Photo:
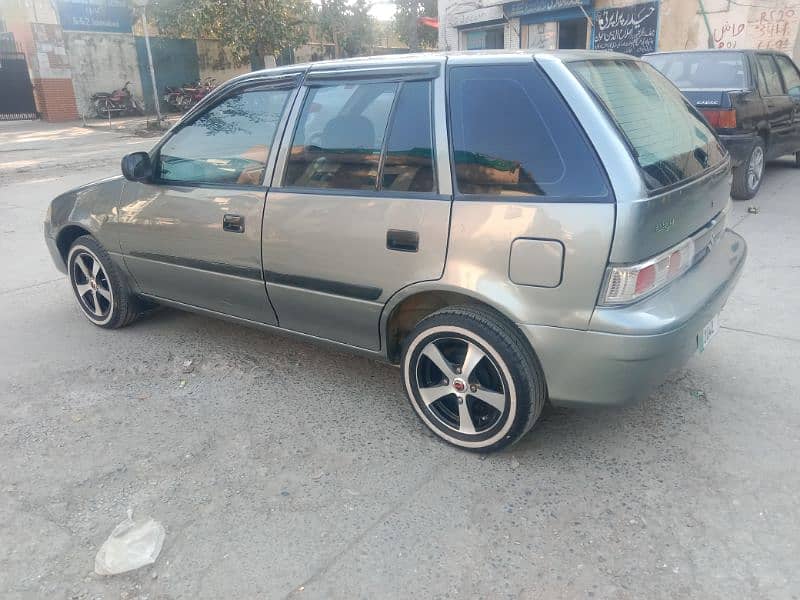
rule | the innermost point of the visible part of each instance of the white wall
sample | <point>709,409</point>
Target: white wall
<point>101,62</point>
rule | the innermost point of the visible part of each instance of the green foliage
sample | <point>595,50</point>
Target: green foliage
<point>405,17</point>
<point>347,25</point>
<point>252,29</point>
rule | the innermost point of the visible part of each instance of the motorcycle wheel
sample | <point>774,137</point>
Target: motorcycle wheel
<point>102,107</point>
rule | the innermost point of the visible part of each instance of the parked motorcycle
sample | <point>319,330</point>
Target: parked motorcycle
<point>185,97</point>
<point>119,101</point>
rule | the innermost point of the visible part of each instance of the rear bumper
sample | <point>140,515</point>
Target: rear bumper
<point>738,146</point>
<point>629,350</point>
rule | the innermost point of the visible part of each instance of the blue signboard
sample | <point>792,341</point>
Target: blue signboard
<point>95,15</point>
<point>534,7</point>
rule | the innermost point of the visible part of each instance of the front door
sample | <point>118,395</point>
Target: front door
<point>355,213</point>
<point>193,235</point>
<point>780,108</point>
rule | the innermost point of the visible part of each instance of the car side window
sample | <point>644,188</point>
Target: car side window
<point>772,77</point>
<point>228,143</point>
<point>339,136</point>
<point>514,136</point>
<point>790,76</point>
<point>408,162</point>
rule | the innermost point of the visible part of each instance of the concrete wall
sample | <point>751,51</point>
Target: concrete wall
<point>217,61</point>
<point>767,24</point>
<point>101,62</point>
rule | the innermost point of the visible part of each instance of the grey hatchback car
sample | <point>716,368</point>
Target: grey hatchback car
<point>509,228</point>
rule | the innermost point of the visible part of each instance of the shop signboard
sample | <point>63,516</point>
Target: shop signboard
<point>535,7</point>
<point>627,29</point>
<point>113,16</point>
<point>480,15</point>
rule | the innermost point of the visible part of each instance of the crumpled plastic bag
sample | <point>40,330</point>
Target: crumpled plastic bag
<point>132,544</point>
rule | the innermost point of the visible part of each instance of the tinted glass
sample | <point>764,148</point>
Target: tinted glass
<point>762,84</point>
<point>408,165</point>
<point>702,70</point>
<point>227,144</point>
<point>790,76</point>
<point>505,122</point>
<point>669,140</point>
<point>338,139</point>
<point>772,77</point>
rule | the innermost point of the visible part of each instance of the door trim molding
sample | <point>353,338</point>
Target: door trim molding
<point>202,265</point>
<point>327,286</point>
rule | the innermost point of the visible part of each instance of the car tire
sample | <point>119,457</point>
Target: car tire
<point>748,176</point>
<point>100,288</point>
<point>797,159</point>
<point>472,379</point>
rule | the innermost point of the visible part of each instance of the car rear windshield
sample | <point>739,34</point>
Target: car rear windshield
<point>702,70</point>
<point>668,139</point>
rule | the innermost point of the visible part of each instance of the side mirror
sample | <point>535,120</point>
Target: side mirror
<point>136,166</point>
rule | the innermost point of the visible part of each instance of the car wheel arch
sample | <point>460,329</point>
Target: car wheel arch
<point>67,235</point>
<point>409,306</point>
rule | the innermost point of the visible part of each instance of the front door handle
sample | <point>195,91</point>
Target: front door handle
<point>402,240</point>
<point>234,223</point>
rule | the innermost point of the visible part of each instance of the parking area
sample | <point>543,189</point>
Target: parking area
<point>283,469</point>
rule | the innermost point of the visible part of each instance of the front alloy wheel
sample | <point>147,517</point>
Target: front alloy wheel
<point>91,286</point>
<point>471,379</point>
<point>100,289</point>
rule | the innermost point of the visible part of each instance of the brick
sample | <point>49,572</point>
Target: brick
<point>55,99</point>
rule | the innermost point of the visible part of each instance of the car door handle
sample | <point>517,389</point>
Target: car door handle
<point>234,223</point>
<point>402,240</point>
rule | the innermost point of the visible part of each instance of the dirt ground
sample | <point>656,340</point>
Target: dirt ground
<point>284,470</point>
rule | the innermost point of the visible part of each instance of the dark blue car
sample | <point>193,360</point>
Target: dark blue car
<point>752,99</point>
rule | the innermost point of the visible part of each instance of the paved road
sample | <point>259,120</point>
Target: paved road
<point>281,469</point>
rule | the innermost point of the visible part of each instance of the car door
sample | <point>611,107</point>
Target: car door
<point>360,203</point>
<point>791,81</point>
<point>193,234</point>
<point>779,107</point>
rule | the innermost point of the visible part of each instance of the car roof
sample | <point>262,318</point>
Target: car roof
<point>430,58</point>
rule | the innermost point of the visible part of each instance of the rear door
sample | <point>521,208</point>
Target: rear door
<point>780,108</point>
<point>357,210</point>
<point>791,81</point>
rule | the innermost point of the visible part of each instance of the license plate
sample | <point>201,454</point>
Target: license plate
<point>709,331</point>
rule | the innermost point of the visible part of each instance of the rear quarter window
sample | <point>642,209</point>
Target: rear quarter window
<point>513,135</point>
<point>669,140</point>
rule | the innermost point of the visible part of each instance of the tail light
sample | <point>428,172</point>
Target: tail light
<point>627,283</point>
<point>721,119</point>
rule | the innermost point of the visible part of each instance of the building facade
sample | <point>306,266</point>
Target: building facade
<point>630,26</point>
<point>74,48</point>
<point>66,50</point>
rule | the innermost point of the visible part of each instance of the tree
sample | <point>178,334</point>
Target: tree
<point>348,25</point>
<point>406,22</point>
<point>252,29</point>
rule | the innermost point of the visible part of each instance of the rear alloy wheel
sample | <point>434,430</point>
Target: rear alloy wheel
<point>101,291</point>
<point>471,379</point>
<point>747,177</point>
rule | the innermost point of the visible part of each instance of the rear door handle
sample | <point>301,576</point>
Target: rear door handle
<point>234,223</point>
<point>402,240</point>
